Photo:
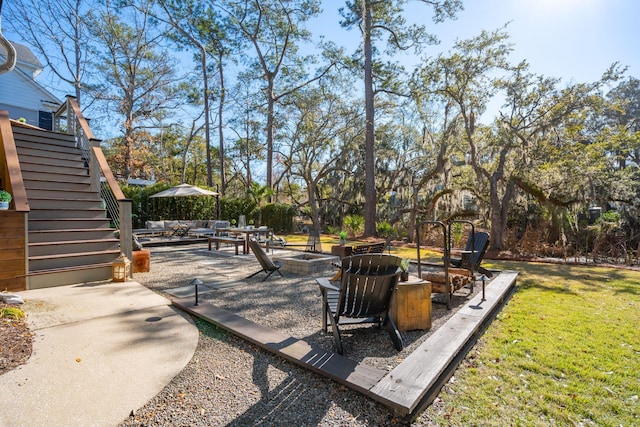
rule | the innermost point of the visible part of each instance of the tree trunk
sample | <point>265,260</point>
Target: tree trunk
<point>270,113</point>
<point>556,225</point>
<point>313,204</point>
<point>369,160</point>
<point>207,125</point>
<point>129,141</point>
<point>248,152</point>
<point>411,227</point>
<point>223,180</point>
<point>499,210</point>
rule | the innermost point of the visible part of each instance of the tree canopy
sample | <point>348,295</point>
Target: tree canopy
<point>335,133</point>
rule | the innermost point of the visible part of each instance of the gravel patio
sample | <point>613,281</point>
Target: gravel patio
<point>232,382</point>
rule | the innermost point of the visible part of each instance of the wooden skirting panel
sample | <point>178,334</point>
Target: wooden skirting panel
<point>13,265</point>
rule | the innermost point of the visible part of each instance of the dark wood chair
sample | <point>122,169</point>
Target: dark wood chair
<point>267,265</point>
<point>365,248</point>
<point>473,253</point>
<point>363,295</point>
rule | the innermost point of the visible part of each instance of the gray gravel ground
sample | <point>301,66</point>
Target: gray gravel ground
<point>230,382</point>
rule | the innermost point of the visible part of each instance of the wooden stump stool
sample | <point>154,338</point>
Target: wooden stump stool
<point>411,305</point>
<point>141,262</point>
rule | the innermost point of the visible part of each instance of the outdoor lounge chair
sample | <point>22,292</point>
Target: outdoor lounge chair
<point>477,245</point>
<point>267,265</point>
<point>363,295</point>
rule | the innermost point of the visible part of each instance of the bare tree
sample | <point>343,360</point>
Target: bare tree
<point>57,30</point>
<point>199,25</point>
<point>275,28</point>
<point>138,75</point>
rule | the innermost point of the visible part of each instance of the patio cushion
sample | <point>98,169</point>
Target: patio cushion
<point>155,225</point>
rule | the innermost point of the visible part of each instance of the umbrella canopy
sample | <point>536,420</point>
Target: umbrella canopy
<point>185,190</point>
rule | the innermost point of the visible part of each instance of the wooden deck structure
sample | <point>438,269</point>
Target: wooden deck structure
<point>408,388</point>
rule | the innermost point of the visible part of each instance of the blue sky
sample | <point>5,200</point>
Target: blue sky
<point>576,40</point>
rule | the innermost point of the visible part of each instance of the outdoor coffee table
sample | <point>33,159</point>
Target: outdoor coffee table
<point>180,230</point>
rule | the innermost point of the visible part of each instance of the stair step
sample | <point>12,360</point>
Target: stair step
<point>41,151</point>
<point>46,160</point>
<point>47,262</point>
<point>61,193</point>
<point>71,247</point>
<point>30,175</point>
<point>69,276</point>
<point>48,184</point>
<point>70,239</point>
<point>67,213</point>
<point>47,148</point>
<point>41,136</point>
<point>41,224</point>
<point>79,169</point>
<point>41,236</point>
<point>38,203</point>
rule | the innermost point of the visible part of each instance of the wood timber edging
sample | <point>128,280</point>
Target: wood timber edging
<point>417,380</point>
<point>339,368</point>
<point>409,387</point>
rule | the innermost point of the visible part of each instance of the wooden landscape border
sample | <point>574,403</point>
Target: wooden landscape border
<point>408,388</point>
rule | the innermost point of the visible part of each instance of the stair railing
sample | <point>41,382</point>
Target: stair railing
<point>102,178</point>
<point>11,177</point>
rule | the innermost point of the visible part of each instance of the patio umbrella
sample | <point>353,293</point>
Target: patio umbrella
<point>185,190</point>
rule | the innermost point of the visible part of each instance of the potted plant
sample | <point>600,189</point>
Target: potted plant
<point>343,238</point>
<point>404,266</point>
<point>5,198</point>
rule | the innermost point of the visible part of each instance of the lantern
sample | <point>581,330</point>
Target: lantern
<point>121,269</point>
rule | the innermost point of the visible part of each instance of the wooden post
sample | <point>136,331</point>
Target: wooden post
<point>94,166</point>
<point>126,232</point>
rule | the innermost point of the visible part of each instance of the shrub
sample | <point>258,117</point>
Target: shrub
<point>11,313</point>
<point>334,231</point>
<point>354,224</point>
<point>233,207</point>
<point>610,216</point>
<point>278,216</point>
<point>384,229</point>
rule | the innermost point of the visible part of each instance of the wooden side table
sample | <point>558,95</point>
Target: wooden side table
<point>411,305</point>
<point>341,251</point>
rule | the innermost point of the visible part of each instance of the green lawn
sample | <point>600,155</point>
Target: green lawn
<point>565,350</point>
<point>328,241</point>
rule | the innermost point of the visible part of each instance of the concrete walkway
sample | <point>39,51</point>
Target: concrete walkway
<point>100,351</point>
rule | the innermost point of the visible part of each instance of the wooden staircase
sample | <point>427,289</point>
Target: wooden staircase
<point>69,235</point>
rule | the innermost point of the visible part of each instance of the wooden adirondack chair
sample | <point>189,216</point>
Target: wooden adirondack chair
<point>473,253</point>
<point>363,295</point>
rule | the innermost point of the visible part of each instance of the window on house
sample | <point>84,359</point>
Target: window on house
<point>45,120</point>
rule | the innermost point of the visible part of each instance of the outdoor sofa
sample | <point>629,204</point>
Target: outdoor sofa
<point>196,228</point>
